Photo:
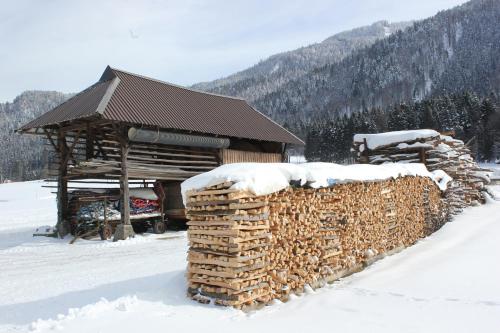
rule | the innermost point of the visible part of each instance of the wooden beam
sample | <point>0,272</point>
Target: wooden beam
<point>124,230</point>
<point>166,161</point>
<point>98,143</point>
<point>101,152</point>
<point>63,227</point>
<point>70,149</point>
<point>75,126</point>
<point>366,152</point>
<point>51,140</point>
<point>421,155</point>
<point>89,142</point>
<point>154,152</point>
<point>124,190</point>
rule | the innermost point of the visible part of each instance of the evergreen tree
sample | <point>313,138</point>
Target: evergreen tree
<point>427,117</point>
<point>470,117</point>
<point>486,137</point>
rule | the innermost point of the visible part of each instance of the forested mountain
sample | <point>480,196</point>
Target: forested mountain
<point>22,155</point>
<point>271,74</point>
<point>453,51</point>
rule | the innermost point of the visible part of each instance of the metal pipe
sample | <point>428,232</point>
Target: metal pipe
<point>177,139</point>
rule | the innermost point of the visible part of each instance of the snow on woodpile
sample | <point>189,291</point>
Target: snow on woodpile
<point>266,178</point>
<point>251,243</point>
<point>437,152</point>
<point>391,138</point>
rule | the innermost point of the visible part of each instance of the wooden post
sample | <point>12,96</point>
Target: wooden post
<point>124,230</point>
<point>45,163</point>
<point>105,211</point>
<point>365,153</point>
<point>219,156</point>
<point>284,157</point>
<point>421,155</point>
<point>124,190</point>
<point>63,227</point>
<point>89,142</point>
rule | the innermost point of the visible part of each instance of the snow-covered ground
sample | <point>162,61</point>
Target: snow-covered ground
<point>447,282</point>
<point>493,167</point>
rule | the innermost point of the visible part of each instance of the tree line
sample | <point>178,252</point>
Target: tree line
<point>474,119</point>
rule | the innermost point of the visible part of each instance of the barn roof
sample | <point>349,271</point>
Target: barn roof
<point>135,99</point>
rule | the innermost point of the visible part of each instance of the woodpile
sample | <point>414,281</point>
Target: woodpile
<point>296,244</point>
<point>246,250</point>
<point>229,238</point>
<point>437,152</point>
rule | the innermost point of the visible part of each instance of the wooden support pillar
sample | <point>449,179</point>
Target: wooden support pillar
<point>421,155</point>
<point>365,154</point>
<point>89,142</point>
<point>219,156</point>
<point>284,157</point>
<point>124,190</point>
<point>124,230</point>
<point>45,164</point>
<point>63,227</point>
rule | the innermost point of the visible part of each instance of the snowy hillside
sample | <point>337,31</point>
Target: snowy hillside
<point>23,155</point>
<point>274,72</point>
<point>447,282</point>
<point>454,51</point>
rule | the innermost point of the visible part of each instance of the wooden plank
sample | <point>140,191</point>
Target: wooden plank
<point>165,161</point>
<point>159,153</point>
<point>232,274</point>
<point>237,156</point>
<point>163,148</point>
<point>209,192</point>
<point>233,224</point>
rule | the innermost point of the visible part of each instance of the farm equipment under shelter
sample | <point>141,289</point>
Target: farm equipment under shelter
<point>98,211</point>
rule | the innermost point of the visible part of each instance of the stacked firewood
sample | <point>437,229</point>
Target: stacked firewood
<point>229,238</point>
<point>454,157</point>
<point>247,250</point>
<point>296,245</point>
<point>437,152</point>
<point>436,215</point>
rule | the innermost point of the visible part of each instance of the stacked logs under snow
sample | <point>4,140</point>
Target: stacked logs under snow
<point>437,152</point>
<point>229,240</point>
<point>246,250</point>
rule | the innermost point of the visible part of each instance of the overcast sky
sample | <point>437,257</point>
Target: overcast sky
<point>65,45</point>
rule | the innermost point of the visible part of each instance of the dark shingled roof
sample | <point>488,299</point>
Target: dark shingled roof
<point>134,99</point>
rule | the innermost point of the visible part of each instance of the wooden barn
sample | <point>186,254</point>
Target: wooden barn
<point>134,130</point>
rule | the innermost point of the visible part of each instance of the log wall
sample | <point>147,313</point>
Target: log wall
<point>239,156</point>
<point>247,250</point>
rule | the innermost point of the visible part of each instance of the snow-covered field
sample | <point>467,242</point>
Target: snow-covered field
<point>447,282</point>
<point>495,168</point>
